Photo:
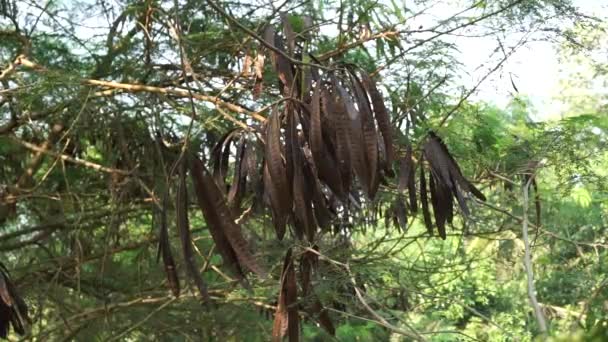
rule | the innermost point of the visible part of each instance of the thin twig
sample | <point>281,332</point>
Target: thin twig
<point>169,91</point>
<point>380,320</point>
<point>538,313</point>
<point>442,33</point>
<point>268,45</point>
<point>138,324</point>
<point>67,158</point>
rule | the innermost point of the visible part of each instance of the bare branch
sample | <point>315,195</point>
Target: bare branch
<point>538,313</point>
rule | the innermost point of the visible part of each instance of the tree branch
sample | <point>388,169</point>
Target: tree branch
<point>67,158</point>
<point>442,33</point>
<point>538,313</point>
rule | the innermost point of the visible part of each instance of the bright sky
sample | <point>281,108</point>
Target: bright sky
<point>535,68</point>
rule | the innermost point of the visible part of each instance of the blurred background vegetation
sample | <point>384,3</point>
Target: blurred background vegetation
<point>80,238</point>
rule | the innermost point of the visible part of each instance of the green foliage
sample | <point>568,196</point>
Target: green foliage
<point>81,239</point>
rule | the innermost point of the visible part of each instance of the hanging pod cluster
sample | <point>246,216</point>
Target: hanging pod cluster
<point>320,155</point>
<point>324,149</point>
<point>321,151</point>
<point>287,317</point>
<point>444,184</point>
<point>401,208</point>
<point>330,141</point>
<point>221,222</point>
<point>440,185</point>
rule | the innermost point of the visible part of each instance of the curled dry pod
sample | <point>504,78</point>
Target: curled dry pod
<point>278,187</point>
<point>281,64</point>
<point>327,167</point>
<point>439,206</point>
<point>447,183</point>
<point>224,230</point>
<point>220,156</point>
<point>323,215</point>
<point>316,135</point>
<point>13,310</point>
<point>341,123</point>
<point>164,249</point>
<point>200,178</point>
<point>382,118</point>
<point>183,226</point>
<point>446,169</point>
<point>369,134</point>
<point>401,213</point>
<point>405,171</point>
<point>239,180</point>
<point>302,192</point>
<point>356,147</point>
<point>287,319</point>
